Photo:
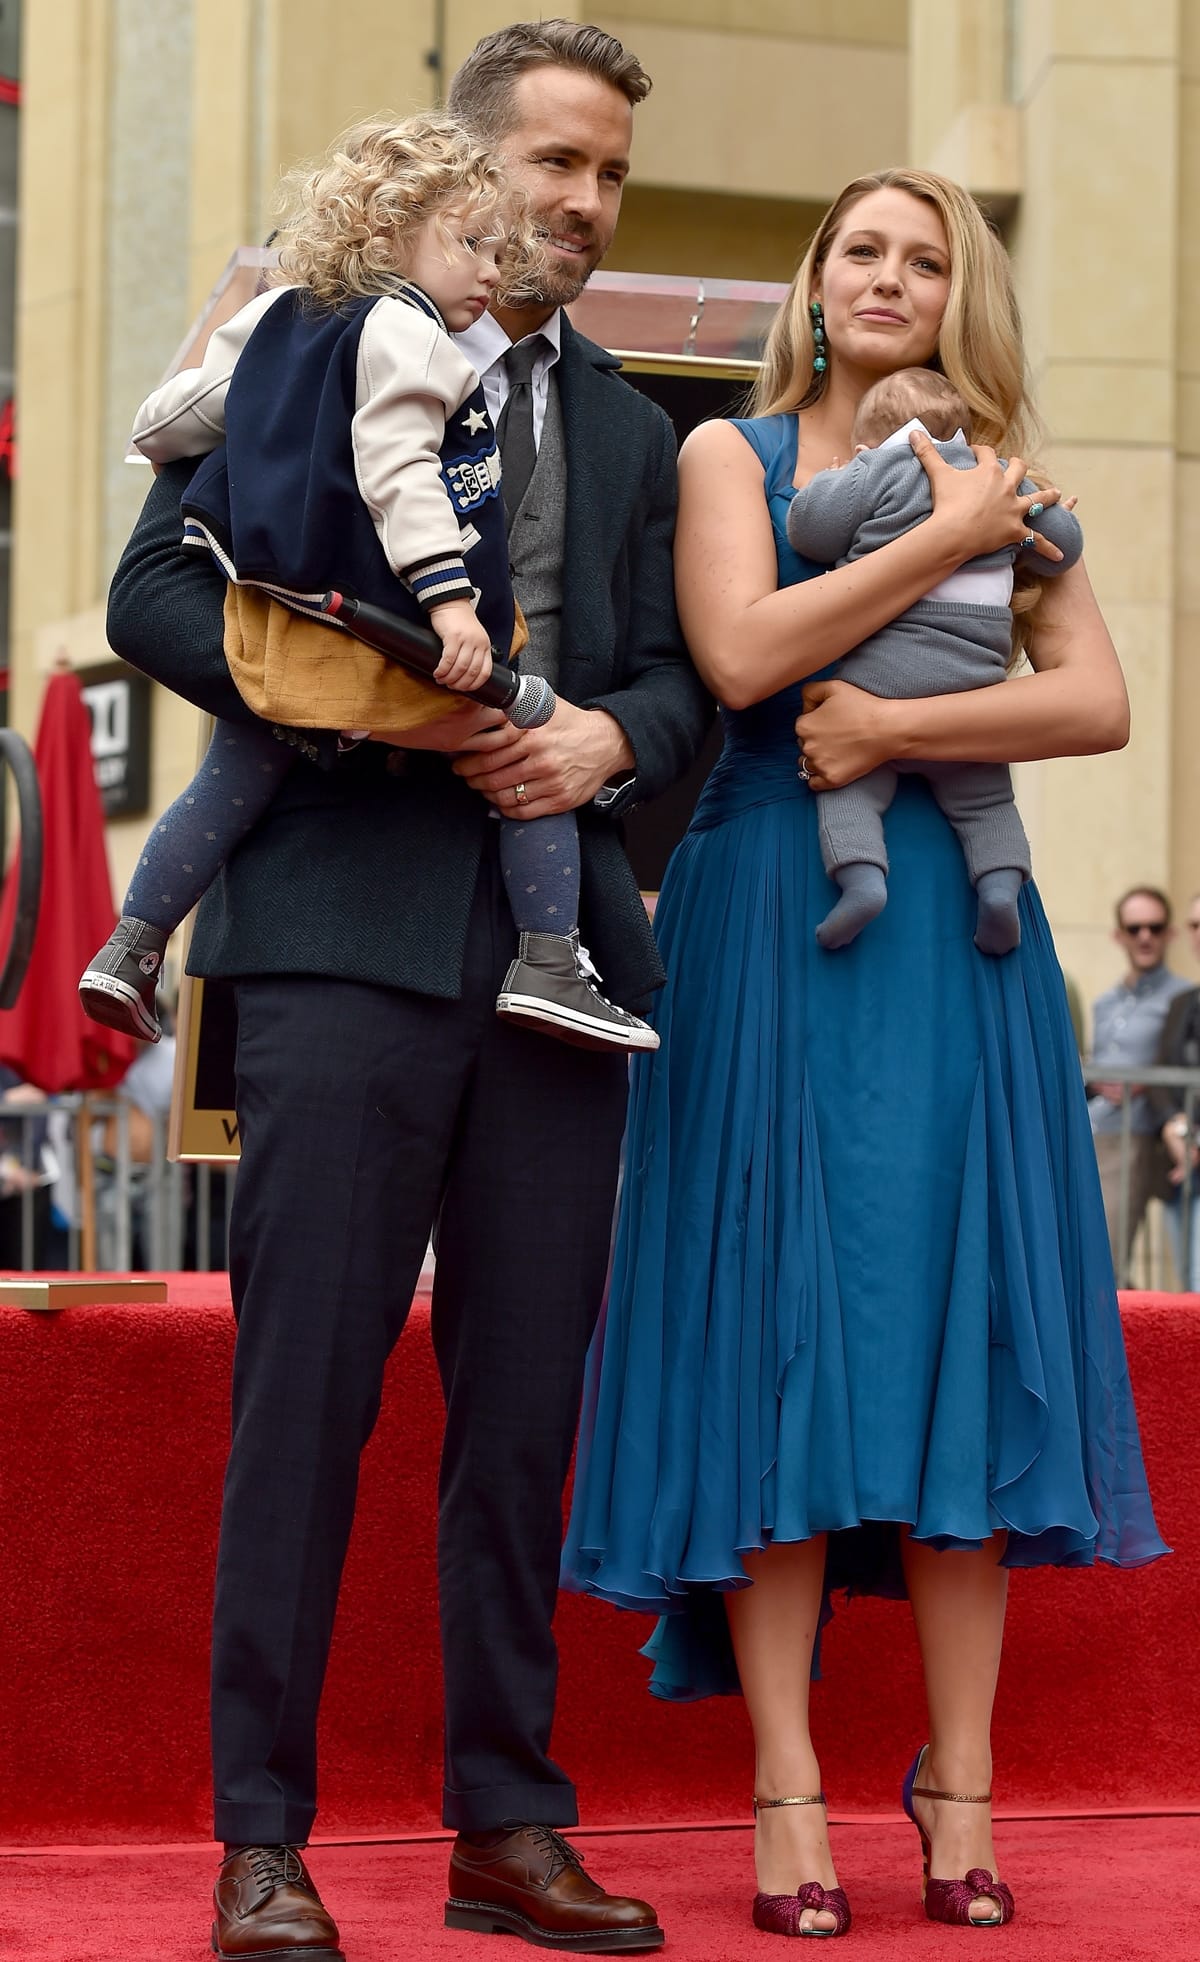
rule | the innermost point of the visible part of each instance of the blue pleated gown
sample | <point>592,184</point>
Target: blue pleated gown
<point>861,1272</point>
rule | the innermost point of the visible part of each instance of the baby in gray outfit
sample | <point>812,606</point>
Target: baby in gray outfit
<point>959,636</point>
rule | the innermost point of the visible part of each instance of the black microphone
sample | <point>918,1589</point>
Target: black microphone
<point>526,699</point>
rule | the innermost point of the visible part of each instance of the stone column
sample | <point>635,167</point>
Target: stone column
<point>64,133</point>
<point>1184,840</point>
<point>1096,247</point>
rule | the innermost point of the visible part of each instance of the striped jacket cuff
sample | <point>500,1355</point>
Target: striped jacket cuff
<point>434,581</point>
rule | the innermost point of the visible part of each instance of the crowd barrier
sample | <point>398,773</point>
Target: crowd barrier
<point>86,1186</point>
<point>1156,1257</point>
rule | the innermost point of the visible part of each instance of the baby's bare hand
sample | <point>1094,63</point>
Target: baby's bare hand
<point>466,659</point>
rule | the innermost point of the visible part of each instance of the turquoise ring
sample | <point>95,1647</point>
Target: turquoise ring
<point>1034,511</point>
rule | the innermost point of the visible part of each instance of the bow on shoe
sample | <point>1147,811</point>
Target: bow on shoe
<point>780,1914</point>
<point>952,1900</point>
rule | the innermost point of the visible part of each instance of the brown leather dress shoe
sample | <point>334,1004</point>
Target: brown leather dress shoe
<point>268,1909</point>
<point>532,1883</point>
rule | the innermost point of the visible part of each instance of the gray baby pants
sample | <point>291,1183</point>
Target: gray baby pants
<point>977,799</point>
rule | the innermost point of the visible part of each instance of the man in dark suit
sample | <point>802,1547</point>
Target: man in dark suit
<point>365,927</point>
<point>1175,1109</point>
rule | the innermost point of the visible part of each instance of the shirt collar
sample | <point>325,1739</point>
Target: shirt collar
<point>485,344</point>
<point>1152,983</point>
<point>902,434</point>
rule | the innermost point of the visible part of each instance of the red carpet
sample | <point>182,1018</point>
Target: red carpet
<point>1087,1891</point>
<point>111,1451</point>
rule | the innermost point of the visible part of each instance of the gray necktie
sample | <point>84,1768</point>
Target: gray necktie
<point>514,431</point>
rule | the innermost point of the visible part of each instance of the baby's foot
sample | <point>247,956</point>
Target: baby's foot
<point>864,896</point>
<point>998,927</point>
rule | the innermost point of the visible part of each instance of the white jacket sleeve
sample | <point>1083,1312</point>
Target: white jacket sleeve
<point>186,416</point>
<point>411,380</point>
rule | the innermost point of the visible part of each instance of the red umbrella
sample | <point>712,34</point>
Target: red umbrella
<point>47,1037</point>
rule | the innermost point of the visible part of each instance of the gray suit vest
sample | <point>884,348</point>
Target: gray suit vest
<point>535,544</point>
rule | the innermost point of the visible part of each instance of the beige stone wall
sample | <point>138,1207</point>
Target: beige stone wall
<point>1097,247</point>
<point>154,133</point>
<point>764,113</point>
<point>1184,842</point>
<point>665,230</point>
<point>870,23</point>
<point>1097,171</point>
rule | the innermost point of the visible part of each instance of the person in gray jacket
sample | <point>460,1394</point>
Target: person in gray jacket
<point>959,636</point>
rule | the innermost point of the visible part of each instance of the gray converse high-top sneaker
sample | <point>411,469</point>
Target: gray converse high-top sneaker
<point>552,986</point>
<point>120,984</point>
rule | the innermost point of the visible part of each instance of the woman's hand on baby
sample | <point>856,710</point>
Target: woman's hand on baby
<point>466,659</point>
<point>985,507</point>
<point>843,733</point>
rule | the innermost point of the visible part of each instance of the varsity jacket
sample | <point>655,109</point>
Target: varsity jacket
<point>347,449</point>
<point>364,866</point>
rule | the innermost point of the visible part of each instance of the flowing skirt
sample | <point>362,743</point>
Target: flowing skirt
<point>861,1275</point>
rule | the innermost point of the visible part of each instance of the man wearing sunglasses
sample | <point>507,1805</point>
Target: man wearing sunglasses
<point>1127,1029</point>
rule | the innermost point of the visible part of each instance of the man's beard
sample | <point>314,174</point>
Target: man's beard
<point>560,284</point>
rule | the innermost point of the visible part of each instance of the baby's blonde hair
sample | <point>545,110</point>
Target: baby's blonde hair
<point>890,403</point>
<point>350,218</point>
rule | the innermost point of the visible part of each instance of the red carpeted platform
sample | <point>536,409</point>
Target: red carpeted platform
<point>111,1450</point>
<point>1094,1891</point>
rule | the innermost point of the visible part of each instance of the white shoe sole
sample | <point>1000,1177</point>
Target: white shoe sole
<point>118,1006</point>
<point>571,1026</point>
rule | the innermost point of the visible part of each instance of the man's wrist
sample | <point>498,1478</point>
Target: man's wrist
<point>617,758</point>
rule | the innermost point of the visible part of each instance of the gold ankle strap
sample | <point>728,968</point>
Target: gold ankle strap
<point>766,1805</point>
<point>956,1798</point>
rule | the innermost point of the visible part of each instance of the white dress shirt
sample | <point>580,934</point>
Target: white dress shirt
<point>969,585</point>
<point>485,346</point>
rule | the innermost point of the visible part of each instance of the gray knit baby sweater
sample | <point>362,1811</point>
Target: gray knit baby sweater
<point>937,647</point>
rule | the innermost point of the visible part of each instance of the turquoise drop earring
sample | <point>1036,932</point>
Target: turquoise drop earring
<point>818,326</point>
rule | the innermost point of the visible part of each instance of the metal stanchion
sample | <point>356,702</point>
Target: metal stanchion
<point>123,1251</point>
<point>1187,1194</point>
<point>203,1209</point>
<point>1123,1233</point>
<point>16,753</point>
<point>1183,1081</point>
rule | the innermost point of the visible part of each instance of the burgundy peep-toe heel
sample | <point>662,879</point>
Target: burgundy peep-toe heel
<point>952,1900</point>
<point>779,1914</point>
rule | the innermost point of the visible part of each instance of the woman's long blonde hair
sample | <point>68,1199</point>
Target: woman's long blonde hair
<point>980,348</point>
<point>350,217</point>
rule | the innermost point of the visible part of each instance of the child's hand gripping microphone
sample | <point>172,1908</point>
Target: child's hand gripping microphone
<point>525,699</point>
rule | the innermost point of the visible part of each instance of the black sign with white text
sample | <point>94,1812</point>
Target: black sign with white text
<point>118,701</point>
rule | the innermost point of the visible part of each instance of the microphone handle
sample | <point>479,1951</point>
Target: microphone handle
<point>527,700</point>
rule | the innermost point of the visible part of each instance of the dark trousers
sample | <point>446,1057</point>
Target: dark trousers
<point>366,1114</point>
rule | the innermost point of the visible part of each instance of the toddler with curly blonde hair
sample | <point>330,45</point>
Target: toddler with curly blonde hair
<point>347,446</point>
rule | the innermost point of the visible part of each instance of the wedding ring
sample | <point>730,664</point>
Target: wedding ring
<point>519,793</point>
<point>804,771</point>
<point>1034,511</point>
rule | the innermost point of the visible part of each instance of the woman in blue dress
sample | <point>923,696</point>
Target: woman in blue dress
<point>862,1329</point>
